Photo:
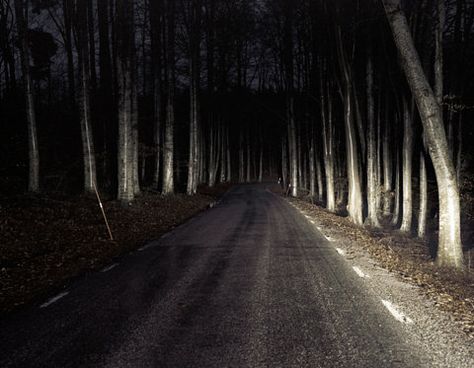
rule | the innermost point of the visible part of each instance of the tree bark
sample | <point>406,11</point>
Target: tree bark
<point>88,150</point>
<point>21,14</point>
<point>372,177</point>
<point>125,35</point>
<point>407,207</point>
<point>168,157</point>
<point>449,241</point>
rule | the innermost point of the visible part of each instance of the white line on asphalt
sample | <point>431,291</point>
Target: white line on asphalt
<point>340,251</point>
<point>312,222</point>
<point>399,316</point>
<point>328,238</point>
<point>54,300</point>
<point>106,269</point>
<point>359,272</point>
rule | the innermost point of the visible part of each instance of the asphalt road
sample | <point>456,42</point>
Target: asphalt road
<point>249,283</point>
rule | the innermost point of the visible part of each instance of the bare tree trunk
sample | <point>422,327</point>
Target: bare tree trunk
<point>125,35</point>
<point>372,154</point>
<point>422,214</point>
<point>168,157</point>
<point>354,206</point>
<point>407,168</point>
<point>21,13</point>
<point>68,11</point>
<point>88,150</point>
<point>449,245</point>
<point>328,146</point>
<point>292,149</point>
<point>91,33</point>
<point>396,206</point>
<point>319,176</point>
<point>195,51</point>
<point>284,162</point>
<point>387,170</point>
<point>156,13</point>
<point>312,168</point>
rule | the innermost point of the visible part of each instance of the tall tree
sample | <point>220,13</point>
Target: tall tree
<point>449,241</point>
<point>125,48</point>
<point>168,157</point>
<point>194,72</point>
<point>21,13</point>
<point>88,150</point>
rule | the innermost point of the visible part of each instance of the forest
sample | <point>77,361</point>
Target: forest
<point>364,107</point>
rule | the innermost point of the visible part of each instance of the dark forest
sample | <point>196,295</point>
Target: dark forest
<point>362,108</point>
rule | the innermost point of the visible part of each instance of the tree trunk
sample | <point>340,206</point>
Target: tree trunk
<point>168,158</point>
<point>156,12</point>
<point>407,207</point>
<point>449,245</point>
<point>396,201</point>
<point>387,170</point>
<point>312,169</point>
<point>21,14</point>
<point>88,150</point>
<point>422,214</point>
<point>328,146</point>
<point>125,35</point>
<point>194,72</point>
<point>372,154</point>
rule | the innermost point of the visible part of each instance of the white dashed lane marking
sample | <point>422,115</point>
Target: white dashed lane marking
<point>54,300</point>
<point>399,316</point>
<point>340,251</point>
<point>359,272</point>
<point>106,269</point>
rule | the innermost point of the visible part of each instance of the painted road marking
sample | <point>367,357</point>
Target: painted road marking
<point>106,269</point>
<point>399,316</point>
<point>340,251</point>
<point>54,300</point>
<point>312,221</point>
<point>328,238</point>
<point>359,272</point>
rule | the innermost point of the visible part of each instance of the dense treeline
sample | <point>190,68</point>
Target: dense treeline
<point>167,95</point>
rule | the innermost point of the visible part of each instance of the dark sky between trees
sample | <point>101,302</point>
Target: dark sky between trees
<point>127,95</point>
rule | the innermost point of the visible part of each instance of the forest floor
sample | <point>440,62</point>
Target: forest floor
<point>47,240</point>
<point>407,257</point>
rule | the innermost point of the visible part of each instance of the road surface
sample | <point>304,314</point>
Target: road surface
<point>248,283</point>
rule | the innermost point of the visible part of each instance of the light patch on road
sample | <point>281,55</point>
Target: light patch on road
<point>107,269</point>
<point>340,251</point>
<point>312,221</point>
<point>54,300</point>
<point>399,316</point>
<point>359,272</point>
<point>328,238</point>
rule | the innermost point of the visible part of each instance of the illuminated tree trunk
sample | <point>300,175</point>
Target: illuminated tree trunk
<point>354,206</point>
<point>88,151</point>
<point>422,214</point>
<point>372,177</point>
<point>387,169</point>
<point>312,168</point>
<point>407,208</point>
<point>194,72</point>
<point>284,162</point>
<point>328,146</point>
<point>168,148</point>
<point>21,13</point>
<point>396,201</point>
<point>156,12</point>
<point>125,48</point>
<point>449,241</point>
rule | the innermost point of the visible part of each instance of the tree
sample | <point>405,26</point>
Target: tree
<point>88,150</point>
<point>449,240</point>
<point>125,79</point>
<point>168,157</point>
<point>21,13</point>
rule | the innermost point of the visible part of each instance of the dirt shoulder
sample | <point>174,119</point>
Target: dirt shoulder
<point>406,257</point>
<point>47,240</point>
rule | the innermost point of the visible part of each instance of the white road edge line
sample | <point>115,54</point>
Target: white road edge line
<point>399,316</point>
<point>359,272</point>
<point>340,251</point>
<point>312,221</point>
<point>106,269</point>
<point>328,238</point>
<point>54,300</point>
